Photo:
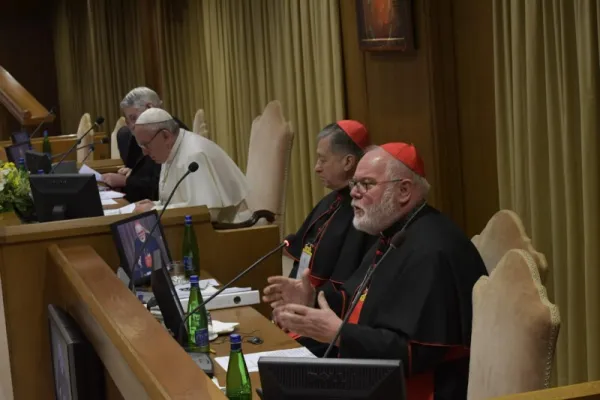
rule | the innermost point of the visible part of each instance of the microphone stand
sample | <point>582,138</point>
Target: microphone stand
<point>139,253</point>
<point>396,239</point>
<point>285,243</point>
<point>35,131</point>
<point>96,124</point>
<point>88,154</point>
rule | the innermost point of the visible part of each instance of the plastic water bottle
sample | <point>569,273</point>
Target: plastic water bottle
<point>191,262</point>
<point>40,172</point>
<point>238,384</point>
<point>21,165</point>
<point>198,322</point>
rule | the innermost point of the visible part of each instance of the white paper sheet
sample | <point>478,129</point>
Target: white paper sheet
<point>87,170</point>
<point>204,283</point>
<point>108,202</point>
<point>111,194</point>
<point>252,359</point>
<point>183,290</point>
<point>128,209</point>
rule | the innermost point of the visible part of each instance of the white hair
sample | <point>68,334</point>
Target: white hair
<point>139,97</point>
<point>396,169</point>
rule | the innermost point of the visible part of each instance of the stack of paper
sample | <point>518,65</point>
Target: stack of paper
<point>111,194</point>
<point>87,170</point>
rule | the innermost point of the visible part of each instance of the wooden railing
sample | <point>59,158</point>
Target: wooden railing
<point>20,103</point>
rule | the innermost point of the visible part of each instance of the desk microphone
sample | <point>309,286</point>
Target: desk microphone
<point>193,167</point>
<point>285,243</point>
<point>92,148</point>
<point>35,131</point>
<point>396,241</point>
<point>96,124</point>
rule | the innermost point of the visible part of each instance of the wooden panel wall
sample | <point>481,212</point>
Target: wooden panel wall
<point>27,52</point>
<point>474,54</point>
<point>441,99</point>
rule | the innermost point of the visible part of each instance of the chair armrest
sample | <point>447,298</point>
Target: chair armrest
<point>256,216</point>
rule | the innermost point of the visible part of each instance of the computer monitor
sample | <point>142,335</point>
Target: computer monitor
<point>167,299</point>
<point>36,161</point>
<point>20,137</point>
<point>65,167</point>
<point>129,236</point>
<point>291,378</point>
<point>58,197</point>
<point>78,372</point>
<point>16,151</point>
<point>173,313</point>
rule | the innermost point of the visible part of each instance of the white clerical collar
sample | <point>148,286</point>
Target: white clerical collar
<point>176,146</point>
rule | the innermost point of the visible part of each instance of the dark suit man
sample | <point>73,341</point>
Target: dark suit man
<point>138,179</point>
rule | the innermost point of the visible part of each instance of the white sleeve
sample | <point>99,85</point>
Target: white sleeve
<point>199,188</point>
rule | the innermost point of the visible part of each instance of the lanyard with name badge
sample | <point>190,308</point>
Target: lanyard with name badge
<point>310,247</point>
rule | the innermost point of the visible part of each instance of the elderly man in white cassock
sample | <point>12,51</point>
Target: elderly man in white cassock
<point>218,183</point>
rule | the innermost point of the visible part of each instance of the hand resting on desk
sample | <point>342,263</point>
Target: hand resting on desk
<point>124,171</point>
<point>143,206</point>
<point>115,180</point>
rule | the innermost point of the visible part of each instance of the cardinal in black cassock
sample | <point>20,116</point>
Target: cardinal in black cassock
<point>416,306</point>
<point>327,244</point>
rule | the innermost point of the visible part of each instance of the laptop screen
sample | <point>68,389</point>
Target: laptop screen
<point>131,234</point>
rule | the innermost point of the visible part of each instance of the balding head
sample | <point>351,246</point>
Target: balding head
<point>384,191</point>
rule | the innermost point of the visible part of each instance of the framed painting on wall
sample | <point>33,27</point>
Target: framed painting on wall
<point>385,25</point>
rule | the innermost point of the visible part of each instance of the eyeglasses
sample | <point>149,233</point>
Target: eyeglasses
<point>364,185</point>
<point>145,145</point>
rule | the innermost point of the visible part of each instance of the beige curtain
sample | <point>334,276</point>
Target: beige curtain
<point>547,88</point>
<point>232,57</point>
<point>98,55</point>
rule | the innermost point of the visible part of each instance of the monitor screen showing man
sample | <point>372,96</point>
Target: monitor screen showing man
<point>132,237</point>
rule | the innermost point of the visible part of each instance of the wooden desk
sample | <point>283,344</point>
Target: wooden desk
<point>27,281</point>
<point>251,323</point>
<point>580,391</point>
<point>105,166</point>
<point>61,144</point>
<point>10,218</point>
<point>141,359</point>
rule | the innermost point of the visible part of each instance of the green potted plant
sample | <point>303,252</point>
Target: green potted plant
<point>15,192</point>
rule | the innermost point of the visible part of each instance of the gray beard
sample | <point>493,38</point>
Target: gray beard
<point>377,217</point>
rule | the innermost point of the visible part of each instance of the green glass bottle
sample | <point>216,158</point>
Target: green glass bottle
<point>46,147</point>
<point>22,165</point>
<point>238,385</point>
<point>197,323</point>
<point>190,253</point>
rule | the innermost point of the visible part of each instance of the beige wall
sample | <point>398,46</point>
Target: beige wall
<point>441,99</point>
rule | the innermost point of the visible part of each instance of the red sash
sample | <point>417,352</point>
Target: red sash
<point>356,312</point>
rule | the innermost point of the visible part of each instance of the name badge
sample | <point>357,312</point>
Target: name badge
<point>363,296</point>
<point>304,260</point>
